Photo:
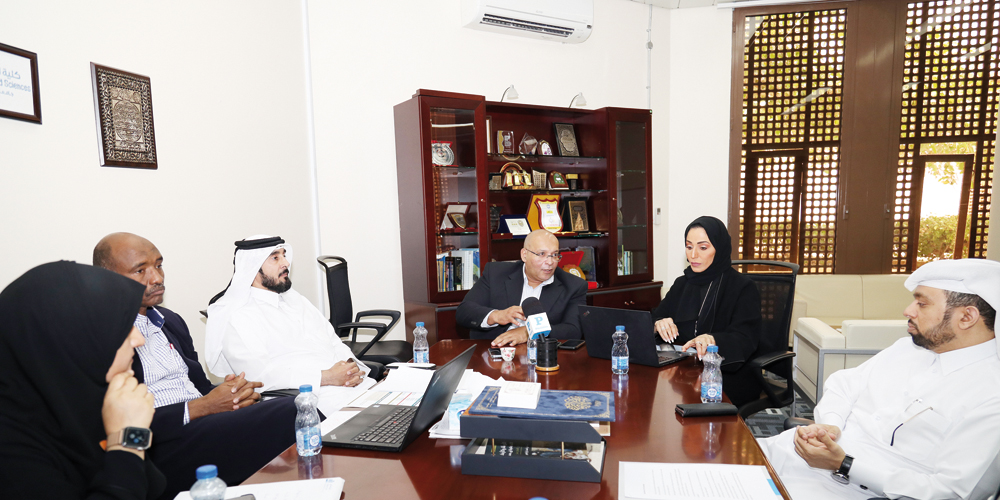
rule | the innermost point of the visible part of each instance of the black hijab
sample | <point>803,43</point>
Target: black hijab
<point>719,236</point>
<point>60,326</point>
<point>700,296</point>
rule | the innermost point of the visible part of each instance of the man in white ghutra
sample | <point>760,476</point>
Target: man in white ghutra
<point>921,419</point>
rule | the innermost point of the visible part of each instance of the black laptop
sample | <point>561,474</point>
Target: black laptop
<point>393,427</point>
<point>598,324</point>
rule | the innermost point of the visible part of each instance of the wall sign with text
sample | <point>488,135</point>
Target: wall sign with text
<point>19,95</point>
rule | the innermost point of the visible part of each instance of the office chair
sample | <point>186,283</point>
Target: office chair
<point>777,295</point>
<point>341,309</point>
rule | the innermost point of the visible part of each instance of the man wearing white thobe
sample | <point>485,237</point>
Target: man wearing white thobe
<point>264,328</point>
<point>922,418</point>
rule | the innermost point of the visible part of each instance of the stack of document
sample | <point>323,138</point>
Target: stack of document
<point>472,384</point>
<point>660,481</point>
<point>321,489</point>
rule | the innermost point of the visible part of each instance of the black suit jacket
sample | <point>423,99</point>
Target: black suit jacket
<point>500,287</point>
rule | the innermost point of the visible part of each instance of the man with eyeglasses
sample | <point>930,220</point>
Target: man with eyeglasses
<point>492,309</point>
<point>921,419</point>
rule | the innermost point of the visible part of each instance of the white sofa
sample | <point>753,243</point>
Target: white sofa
<point>840,320</point>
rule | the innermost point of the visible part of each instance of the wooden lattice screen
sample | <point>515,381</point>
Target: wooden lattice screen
<point>792,88</point>
<point>949,95</point>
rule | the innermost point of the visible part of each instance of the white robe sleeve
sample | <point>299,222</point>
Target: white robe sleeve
<point>246,351</point>
<point>840,393</point>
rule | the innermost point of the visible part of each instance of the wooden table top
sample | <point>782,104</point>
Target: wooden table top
<point>646,429</point>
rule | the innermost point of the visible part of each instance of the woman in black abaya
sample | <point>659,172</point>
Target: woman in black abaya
<point>713,304</point>
<point>66,345</point>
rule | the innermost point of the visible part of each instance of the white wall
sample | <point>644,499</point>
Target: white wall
<point>228,86</point>
<point>698,155</point>
<point>369,56</point>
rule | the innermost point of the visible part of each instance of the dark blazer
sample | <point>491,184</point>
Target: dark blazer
<point>500,286</point>
<point>238,442</point>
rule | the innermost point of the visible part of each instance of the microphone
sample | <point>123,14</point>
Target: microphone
<point>538,320</point>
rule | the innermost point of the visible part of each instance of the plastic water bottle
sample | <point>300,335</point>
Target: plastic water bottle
<point>533,349</point>
<point>208,486</point>
<point>307,435</point>
<point>619,352</point>
<point>420,347</point>
<point>711,377</point>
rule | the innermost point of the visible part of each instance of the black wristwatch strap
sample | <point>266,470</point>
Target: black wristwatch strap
<point>843,474</point>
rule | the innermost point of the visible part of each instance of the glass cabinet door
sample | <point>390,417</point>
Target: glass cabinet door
<point>452,148</point>
<point>631,163</point>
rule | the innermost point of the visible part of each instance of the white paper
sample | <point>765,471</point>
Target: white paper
<point>661,481</point>
<point>406,380</point>
<point>328,489</point>
<point>332,399</point>
<point>334,421</point>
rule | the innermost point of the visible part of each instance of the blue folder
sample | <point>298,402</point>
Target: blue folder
<point>552,405</point>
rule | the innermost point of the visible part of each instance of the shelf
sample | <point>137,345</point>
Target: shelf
<point>549,191</point>
<point>508,236</point>
<point>632,172</point>
<point>632,226</point>
<point>454,167</point>
<point>445,232</point>
<point>562,160</point>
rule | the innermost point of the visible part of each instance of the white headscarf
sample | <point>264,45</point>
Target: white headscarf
<point>246,263</point>
<point>973,276</point>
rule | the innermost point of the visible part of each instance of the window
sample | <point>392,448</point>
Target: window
<point>793,81</point>
<point>866,133</point>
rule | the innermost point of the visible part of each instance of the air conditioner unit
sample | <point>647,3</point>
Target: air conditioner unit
<point>567,21</point>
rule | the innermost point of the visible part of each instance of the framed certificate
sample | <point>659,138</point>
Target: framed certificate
<point>543,212</point>
<point>19,95</point>
<point>453,208</point>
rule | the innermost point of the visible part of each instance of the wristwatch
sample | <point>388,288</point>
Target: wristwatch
<point>842,475</point>
<point>135,438</point>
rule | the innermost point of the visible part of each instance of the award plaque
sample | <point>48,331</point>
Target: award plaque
<point>450,209</point>
<point>566,140</point>
<point>505,142</point>
<point>578,215</point>
<point>543,212</point>
<point>441,153</point>
<point>557,181</point>
<point>496,181</point>
<point>544,148</point>
<point>457,219</point>
<point>494,218</point>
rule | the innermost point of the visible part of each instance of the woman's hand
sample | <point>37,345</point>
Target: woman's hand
<point>700,344</point>
<point>127,403</point>
<point>666,328</point>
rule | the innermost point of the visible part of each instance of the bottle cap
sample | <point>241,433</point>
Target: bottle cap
<point>713,348</point>
<point>206,472</point>
<point>620,328</point>
<point>306,388</point>
<point>420,324</point>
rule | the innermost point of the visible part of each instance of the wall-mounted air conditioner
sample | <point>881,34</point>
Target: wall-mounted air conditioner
<point>568,21</point>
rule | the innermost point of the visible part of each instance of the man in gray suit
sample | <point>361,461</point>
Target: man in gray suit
<point>492,309</point>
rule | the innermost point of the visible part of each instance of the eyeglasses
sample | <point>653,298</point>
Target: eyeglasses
<point>556,257</point>
<point>892,441</point>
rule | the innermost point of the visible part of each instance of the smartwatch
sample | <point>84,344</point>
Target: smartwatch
<point>842,475</point>
<point>134,438</point>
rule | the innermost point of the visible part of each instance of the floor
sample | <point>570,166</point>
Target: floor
<point>771,421</point>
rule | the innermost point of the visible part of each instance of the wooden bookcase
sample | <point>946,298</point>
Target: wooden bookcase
<point>614,179</point>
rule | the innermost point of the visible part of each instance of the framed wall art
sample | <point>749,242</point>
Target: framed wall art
<point>123,107</point>
<point>19,95</point>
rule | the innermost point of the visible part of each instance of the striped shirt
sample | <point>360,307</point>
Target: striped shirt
<point>164,371</point>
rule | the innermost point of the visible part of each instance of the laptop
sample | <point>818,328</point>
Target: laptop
<point>393,427</point>
<point>598,324</point>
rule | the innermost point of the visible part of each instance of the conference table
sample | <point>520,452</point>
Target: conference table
<point>646,429</point>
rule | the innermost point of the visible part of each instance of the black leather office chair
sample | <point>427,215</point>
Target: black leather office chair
<point>777,295</point>
<point>341,309</point>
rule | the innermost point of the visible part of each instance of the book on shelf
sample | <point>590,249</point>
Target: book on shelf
<point>458,269</point>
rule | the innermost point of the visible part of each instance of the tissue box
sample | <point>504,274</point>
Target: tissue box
<point>519,395</point>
